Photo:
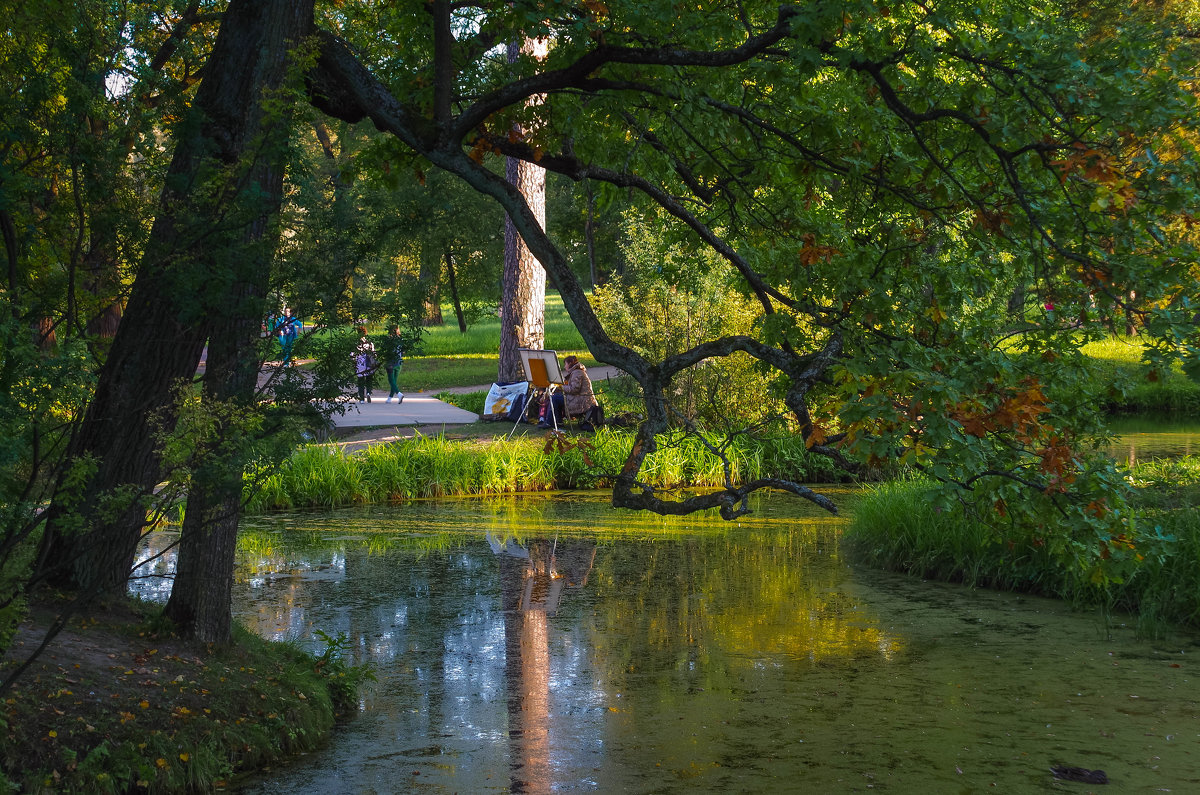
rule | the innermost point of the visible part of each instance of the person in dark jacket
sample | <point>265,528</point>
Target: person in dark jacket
<point>393,358</point>
<point>365,365</point>
<point>287,335</point>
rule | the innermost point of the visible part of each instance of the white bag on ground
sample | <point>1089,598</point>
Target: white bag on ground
<point>501,398</point>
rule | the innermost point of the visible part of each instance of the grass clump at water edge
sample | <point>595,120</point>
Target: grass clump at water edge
<point>118,704</point>
<point>897,526</point>
<point>325,477</point>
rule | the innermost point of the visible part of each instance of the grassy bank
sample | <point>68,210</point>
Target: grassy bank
<point>895,527</point>
<point>1115,362</point>
<point>325,477</point>
<point>118,704</point>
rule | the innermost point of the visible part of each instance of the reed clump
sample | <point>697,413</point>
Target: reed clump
<point>319,476</point>
<point>897,526</point>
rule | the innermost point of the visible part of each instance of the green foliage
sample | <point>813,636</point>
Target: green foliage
<point>40,393</point>
<point>671,297</point>
<point>342,678</point>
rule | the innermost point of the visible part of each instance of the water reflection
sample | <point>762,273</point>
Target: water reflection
<point>1143,437</point>
<point>551,643</point>
<point>533,581</point>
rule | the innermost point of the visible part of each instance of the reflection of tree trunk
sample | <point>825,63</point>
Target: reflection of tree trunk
<point>531,591</point>
<point>527,679</point>
<point>453,281</point>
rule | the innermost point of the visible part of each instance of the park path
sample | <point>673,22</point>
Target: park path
<point>417,409</point>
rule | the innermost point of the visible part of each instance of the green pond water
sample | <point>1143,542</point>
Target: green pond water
<point>553,644</point>
<point>1142,437</point>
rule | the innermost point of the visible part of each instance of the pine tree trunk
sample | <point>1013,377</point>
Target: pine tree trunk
<point>523,285</point>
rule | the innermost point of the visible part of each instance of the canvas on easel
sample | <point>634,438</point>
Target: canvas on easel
<point>542,372</point>
<point>541,367</point>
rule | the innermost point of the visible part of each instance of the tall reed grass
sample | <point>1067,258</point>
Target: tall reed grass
<point>326,477</point>
<point>896,526</point>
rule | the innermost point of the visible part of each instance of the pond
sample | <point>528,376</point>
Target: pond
<point>552,643</point>
<point>1142,437</point>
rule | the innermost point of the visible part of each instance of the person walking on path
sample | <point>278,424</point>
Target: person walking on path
<point>393,358</point>
<point>287,336</point>
<point>365,365</point>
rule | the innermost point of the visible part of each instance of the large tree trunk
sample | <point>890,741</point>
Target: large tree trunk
<point>200,599</point>
<point>187,277</point>
<point>523,286</point>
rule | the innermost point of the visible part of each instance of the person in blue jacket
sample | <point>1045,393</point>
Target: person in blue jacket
<point>287,335</point>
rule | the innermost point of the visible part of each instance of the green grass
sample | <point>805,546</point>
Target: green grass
<point>450,358</point>
<point>1117,362</point>
<point>895,526</point>
<point>468,401</point>
<point>324,477</point>
<point>132,709</point>
<point>483,338</point>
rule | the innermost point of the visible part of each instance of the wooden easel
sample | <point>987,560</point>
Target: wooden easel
<point>544,375</point>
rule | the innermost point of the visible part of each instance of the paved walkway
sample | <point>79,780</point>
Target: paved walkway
<point>418,408</point>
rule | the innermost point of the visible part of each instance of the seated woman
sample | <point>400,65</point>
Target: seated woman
<point>576,396</point>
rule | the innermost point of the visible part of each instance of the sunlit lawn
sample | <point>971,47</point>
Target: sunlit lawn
<point>450,358</point>
<point>1117,361</point>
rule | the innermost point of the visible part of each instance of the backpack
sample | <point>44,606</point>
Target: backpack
<point>592,419</point>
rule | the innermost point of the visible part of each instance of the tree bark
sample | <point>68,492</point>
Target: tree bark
<point>453,282</point>
<point>523,285</point>
<point>200,600</point>
<point>429,275</point>
<point>187,277</point>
